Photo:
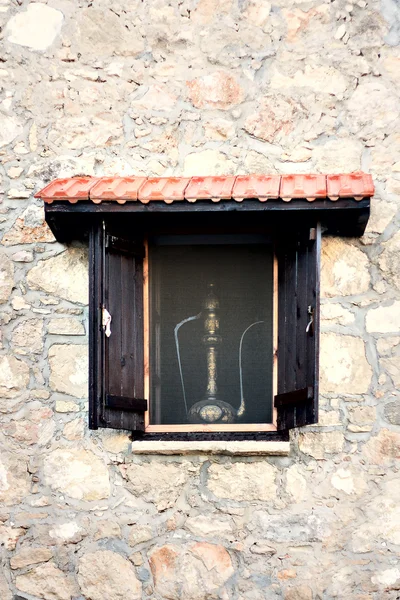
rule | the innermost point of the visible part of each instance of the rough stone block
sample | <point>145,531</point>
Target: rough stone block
<point>344,368</point>
<point>14,376</point>
<point>392,412</point>
<point>69,369</point>
<point>64,275</point>
<point>14,478</point>
<point>389,260</point>
<point>299,592</point>
<point>392,366</point>
<point>77,473</point>
<point>335,313</point>
<point>171,480</point>
<point>5,592</point>
<point>103,575</point>
<point>207,162</point>
<point>383,448</point>
<point>296,483</point>
<point>197,571</point>
<point>208,526</point>
<point>6,278</point>
<point>36,28</point>
<point>28,336</point>
<point>139,534</point>
<point>68,326</point>
<point>318,444</point>
<point>218,90</point>
<point>344,269</point>
<point>243,481</point>
<point>29,228</point>
<point>30,556</point>
<point>10,129</point>
<point>384,319</point>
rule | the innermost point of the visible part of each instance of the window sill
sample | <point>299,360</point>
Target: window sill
<point>245,448</point>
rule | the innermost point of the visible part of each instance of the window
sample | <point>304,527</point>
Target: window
<point>211,332</point>
<point>204,318</point>
<point>204,330</point>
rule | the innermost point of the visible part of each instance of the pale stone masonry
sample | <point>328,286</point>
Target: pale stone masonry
<point>198,87</point>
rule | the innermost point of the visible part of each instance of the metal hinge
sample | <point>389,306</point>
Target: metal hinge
<point>106,321</point>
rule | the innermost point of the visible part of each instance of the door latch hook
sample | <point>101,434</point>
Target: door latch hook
<point>106,321</point>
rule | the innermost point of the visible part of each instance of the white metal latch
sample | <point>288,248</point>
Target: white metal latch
<point>106,321</point>
<point>310,312</point>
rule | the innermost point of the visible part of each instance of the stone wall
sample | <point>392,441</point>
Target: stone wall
<point>199,87</point>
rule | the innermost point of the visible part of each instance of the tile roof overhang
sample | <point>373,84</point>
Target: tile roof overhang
<point>346,195</point>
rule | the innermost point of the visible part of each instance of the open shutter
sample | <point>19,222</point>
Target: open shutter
<point>116,376</point>
<point>298,327</point>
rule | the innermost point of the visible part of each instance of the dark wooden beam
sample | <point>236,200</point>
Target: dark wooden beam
<point>61,206</point>
<point>346,217</point>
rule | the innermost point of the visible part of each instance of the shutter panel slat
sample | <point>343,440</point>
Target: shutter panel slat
<point>298,292</point>
<point>313,301</point>
<point>295,398</point>
<point>112,302</point>
<point>95,318</point>
<point>302,356</point>
<point>123,403</point>
<point>117,386</point>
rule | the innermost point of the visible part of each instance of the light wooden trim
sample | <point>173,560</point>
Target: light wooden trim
<point>146,331</point>
<point>211,428</point>
<point>275,341</point>
<point>191,428</point>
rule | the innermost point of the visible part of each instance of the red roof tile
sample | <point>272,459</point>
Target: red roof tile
<point>256,186</point>
<point>120,189</point>
<point>242,187</point>
<point>163,188</point>
<point>354,185</point>
<point>302,186</point>
<point>71,188</point>
<point>210,188</point>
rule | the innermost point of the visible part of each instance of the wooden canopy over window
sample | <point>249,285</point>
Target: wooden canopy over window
<point>340,202</point>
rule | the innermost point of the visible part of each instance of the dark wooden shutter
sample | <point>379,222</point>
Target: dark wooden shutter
<point>298,327</point>
<point>116,375</point>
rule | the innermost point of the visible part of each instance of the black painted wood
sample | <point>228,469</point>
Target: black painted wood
<point>298,204</point>
<point>237,436</point>
<point>95,333</point>
<point>125,403</point>
<point>298,327</point>
<point>312,339</point>
<point>117,362</point>
<point>295,398</point>
<point>346,217</point>
<point>123,246</point>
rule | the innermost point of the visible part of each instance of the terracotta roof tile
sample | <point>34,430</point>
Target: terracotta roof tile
<point>309,187</point>
<point>70,188</point>
<point>210,188</point>
<point>256,186</point>
<point>120,189</point>
<point>353,185</point>
<point>170,189</point>
<point>167,189</point>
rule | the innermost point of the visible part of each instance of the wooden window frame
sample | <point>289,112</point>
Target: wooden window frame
<point>295,404</point>
<point>206,428</point>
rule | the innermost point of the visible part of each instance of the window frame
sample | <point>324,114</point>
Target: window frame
<point>207,428</point>
<point>289,405</point>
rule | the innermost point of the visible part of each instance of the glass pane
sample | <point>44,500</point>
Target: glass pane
<point>211,324</point>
